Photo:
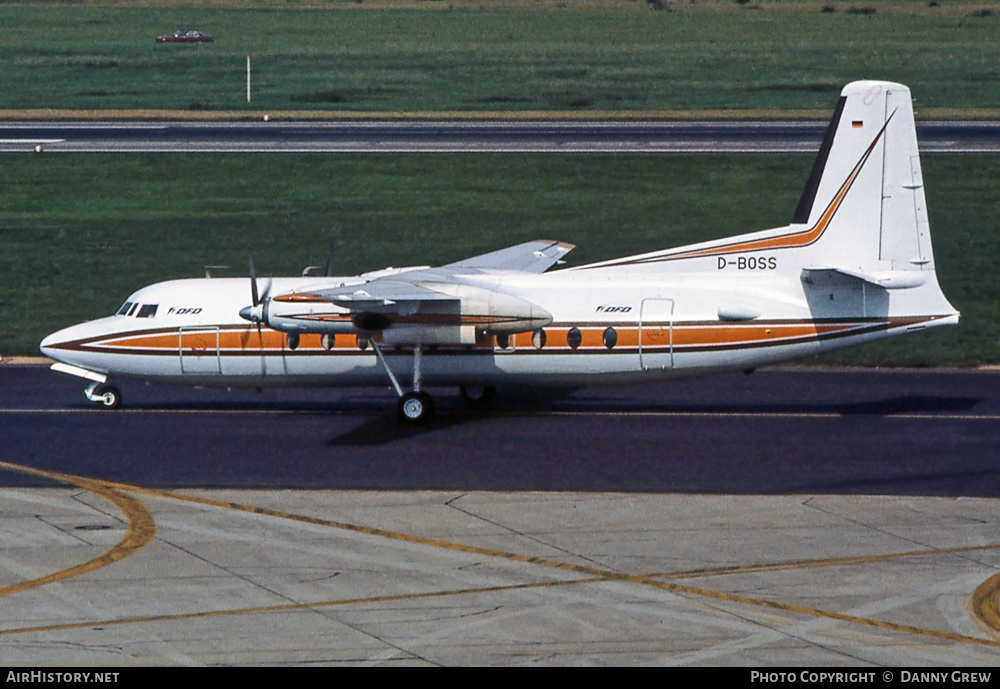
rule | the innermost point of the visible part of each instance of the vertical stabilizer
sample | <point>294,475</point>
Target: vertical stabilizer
<point>865,196</point>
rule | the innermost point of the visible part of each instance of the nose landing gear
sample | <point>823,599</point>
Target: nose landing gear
<point>104,396</point>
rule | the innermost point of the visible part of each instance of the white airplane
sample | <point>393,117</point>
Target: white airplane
<point>854,266</point>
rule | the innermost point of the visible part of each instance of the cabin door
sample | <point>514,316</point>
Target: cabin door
<point>656,334</point>
<point>199,350</point>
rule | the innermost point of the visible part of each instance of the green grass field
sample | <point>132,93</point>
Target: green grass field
<point>418,56</point>
<point>81,232</point>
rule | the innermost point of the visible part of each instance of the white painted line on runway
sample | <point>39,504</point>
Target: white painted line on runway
<point>373,411</point>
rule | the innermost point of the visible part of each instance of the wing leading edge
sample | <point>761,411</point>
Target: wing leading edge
<point>433,284</point>
<point>530,257</point>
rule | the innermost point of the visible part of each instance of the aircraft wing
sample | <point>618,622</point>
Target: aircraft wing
<point>530,257</point>
<point>380,294</point>
<point>445,291</point>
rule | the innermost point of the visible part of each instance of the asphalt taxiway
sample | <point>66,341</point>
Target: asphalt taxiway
<point>790,517</point>
<point>653,137</point>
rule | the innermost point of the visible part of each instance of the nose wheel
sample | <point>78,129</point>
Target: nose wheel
<point>104,396</point>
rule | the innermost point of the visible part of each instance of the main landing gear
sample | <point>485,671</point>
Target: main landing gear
<point>416,406</point>
<point>104,396</point>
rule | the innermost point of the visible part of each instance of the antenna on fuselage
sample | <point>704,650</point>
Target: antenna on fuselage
<point>209,269</point>
<point>309,271</point>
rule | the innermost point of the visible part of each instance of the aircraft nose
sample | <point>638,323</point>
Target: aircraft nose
<point>53,346</point>
<point>50,345</point>
<point>47,344</point>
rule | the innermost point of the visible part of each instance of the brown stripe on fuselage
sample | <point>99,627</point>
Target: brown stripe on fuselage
<point>690,336</point>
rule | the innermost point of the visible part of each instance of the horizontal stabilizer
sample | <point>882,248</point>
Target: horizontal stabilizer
<point>897,279</point>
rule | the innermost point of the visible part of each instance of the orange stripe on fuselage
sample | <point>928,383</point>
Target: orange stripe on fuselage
<point>592,338</point>
<point>684,336</point>
<point>247,339</point>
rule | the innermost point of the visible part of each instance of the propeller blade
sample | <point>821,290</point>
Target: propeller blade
<point>257,313</point>
<point>253,283</point>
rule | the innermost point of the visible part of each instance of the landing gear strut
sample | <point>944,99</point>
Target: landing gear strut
<point>104,396</point>
<point>415,406</point>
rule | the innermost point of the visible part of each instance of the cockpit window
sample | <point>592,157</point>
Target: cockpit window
<point>147,311</point>
<point>123,311</point>
<point>132,310</point>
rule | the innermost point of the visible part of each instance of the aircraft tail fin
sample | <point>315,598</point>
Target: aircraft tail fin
<point>863,204</point>
<point>861,222</point>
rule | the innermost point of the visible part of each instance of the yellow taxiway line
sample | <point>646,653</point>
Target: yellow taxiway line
<point>139,532</point>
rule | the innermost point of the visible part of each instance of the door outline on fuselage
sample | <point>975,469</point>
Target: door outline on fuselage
<point>658,313</point>
<point>196,359</point>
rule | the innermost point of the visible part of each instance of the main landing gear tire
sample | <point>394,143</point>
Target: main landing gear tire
<point>477,396</point>
<point>107,397</point>
<point>416,408</point>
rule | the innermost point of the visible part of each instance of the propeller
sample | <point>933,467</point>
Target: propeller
<point>257,312</point>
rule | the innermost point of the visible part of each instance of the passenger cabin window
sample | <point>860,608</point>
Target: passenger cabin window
<point>123,311</point>
<point>538,338</point>
<point>610,338</point>
<point>574,338</point>
<point>147,311</point>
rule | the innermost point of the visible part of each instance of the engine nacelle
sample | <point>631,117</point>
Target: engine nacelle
<point>465,314</point>
<point>317,317</point>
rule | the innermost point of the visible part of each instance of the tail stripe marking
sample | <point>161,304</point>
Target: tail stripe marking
<point>788,241</point>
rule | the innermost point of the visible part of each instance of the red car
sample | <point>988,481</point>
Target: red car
<point>190,36</point>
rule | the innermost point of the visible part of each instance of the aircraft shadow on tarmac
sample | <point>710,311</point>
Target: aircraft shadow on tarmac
<point>384,428</point>
<point>451,414</point>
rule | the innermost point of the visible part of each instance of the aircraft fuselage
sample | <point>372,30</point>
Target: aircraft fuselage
<point>605,324</point>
